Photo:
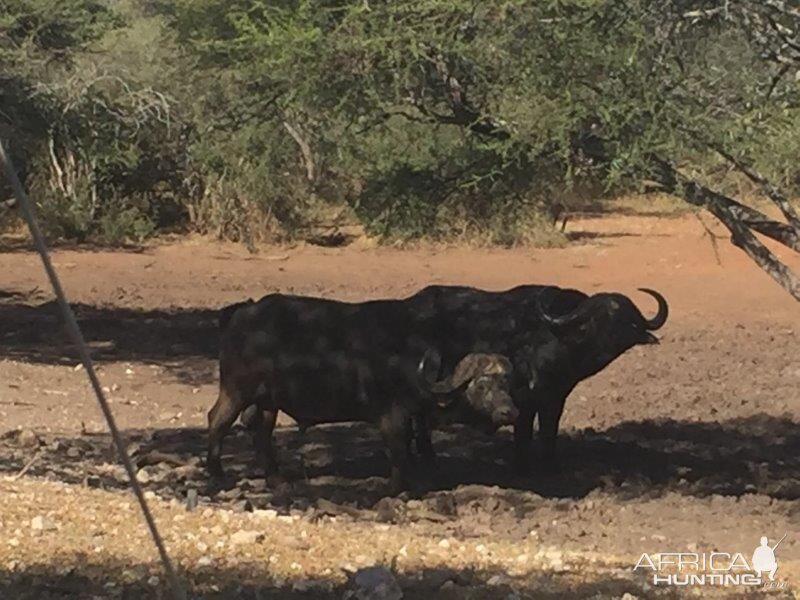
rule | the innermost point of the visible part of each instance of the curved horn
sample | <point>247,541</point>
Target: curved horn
<point>562,320</point>
<point>429,367</point>
<point>663,310</point>
<point>470,367</point>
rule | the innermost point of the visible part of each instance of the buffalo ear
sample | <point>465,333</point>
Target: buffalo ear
<point>429,366</point>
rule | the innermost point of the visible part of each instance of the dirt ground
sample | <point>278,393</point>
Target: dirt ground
<point>689,446</point>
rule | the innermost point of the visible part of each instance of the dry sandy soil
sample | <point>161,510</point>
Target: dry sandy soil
<point>689,446</point>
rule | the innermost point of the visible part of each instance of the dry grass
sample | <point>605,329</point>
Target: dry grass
<point>98,537</point>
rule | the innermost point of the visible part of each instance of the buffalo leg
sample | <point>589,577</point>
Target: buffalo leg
<point>410,440</point>
<point>220,418</point>
<point>523,434</point>
<point>423,439</point>
<point>263,426</point>
<point>394,429</point>
<point>549,415</point>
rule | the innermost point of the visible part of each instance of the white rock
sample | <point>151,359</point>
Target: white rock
<point>269,514</point>
<point>244,536</point>
<point>444,544</point>
<point>40,523</point>
<point>204,561</point>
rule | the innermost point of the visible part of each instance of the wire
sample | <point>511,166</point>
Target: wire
<point>77,338</point>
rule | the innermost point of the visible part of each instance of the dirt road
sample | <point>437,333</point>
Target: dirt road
<point>689,446</point>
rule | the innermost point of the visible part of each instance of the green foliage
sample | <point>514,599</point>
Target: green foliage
<point>248,119</point>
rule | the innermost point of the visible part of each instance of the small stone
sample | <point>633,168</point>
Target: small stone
<point>387,510</point>
<point>152,581</point>
<point>444,544</point>
<point>268,514</point>
<point>39,523</point>
<point>246,537</point>
<point>27,438</point>
<point>375,583</point>
<point>191,501</point>
<point>243,506</point>
<point>629,596</point>
<point>142,476</point>
<point>496,580</point>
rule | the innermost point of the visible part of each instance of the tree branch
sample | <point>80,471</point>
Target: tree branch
<point>741,236</point>
<point>305,149</point>
<point>767,187</point>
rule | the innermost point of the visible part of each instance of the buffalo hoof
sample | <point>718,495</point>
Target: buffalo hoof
<point>267,466</point>
<point>214,469</point>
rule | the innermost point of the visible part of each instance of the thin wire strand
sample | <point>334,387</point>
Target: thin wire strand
<point>77,338</point>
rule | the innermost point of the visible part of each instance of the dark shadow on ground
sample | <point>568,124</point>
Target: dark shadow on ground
<point>600,211</point>
<point>594,236</point>
<point>183,341</point>
<point>43,583</point>
<point>13,244</point>
<point>346,464</point>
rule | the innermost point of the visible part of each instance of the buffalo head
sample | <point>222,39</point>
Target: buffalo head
<point>603,327</point>
<point>487,378</point>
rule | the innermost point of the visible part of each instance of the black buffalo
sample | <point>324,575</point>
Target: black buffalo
<point>554,338</point>
<point>362,361</point>
<point>323,361</point>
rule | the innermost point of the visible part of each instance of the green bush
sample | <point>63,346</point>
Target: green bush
<point>253,119</point>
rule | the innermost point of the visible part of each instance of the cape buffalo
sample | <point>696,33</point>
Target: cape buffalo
<point>323,361</point>
<point>552,337</point>
<point>485,377</point>
<point>573,347</point>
